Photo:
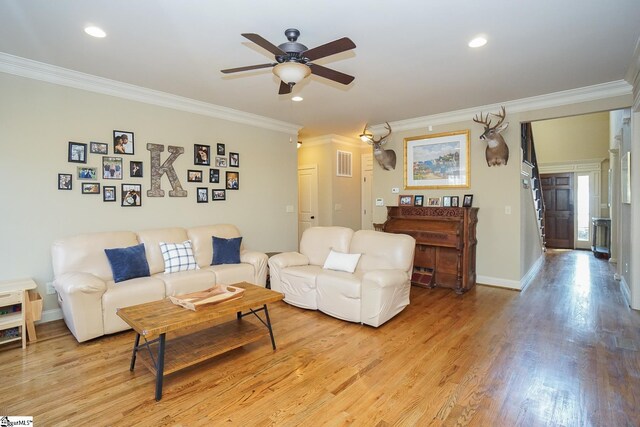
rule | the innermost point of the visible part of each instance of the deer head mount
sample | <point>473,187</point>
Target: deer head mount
<point>497,151</point>
<point>385,158</point>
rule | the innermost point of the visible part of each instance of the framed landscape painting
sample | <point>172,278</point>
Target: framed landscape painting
<point>437,161</point>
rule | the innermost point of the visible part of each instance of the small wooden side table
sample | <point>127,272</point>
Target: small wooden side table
<point>23,285</point>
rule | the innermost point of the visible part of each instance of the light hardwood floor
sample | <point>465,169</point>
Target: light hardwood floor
<point>563,352</point>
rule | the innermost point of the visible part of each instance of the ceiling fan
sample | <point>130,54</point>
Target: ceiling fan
<point>293,59</point>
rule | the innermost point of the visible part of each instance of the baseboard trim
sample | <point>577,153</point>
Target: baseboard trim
<point>535,268</point>
<point>499,283</point>
<point>50,315</point>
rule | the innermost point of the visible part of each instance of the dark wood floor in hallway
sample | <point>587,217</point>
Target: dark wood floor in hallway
<point>563,352</point>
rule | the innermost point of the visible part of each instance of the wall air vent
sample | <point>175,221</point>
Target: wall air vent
<point>344,164</point>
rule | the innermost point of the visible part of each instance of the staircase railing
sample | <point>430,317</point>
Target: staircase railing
<point>529,151</point>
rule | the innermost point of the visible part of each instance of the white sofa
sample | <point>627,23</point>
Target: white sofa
<point>376,291</point>
<point>89,296</point>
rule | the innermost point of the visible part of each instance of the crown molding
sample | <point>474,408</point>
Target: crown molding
<point>333,138</point>
<point>28,68</point>
<point>556,99</point>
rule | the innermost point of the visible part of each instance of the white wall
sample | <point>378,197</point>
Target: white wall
<point>37,120</point>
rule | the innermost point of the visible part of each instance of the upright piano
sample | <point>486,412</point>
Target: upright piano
<point>445,244</point>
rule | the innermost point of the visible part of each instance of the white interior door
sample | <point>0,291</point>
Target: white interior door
<point>366,201</point>
<point>307,198</point>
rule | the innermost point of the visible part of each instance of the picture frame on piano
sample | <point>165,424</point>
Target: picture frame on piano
<point>435,161</point>
<point>418,200</point>
<point>467,201</point>
<point>405,200</point>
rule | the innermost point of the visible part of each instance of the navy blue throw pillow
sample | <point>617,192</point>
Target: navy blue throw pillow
<point>226,251</point>
<point>128,263</point>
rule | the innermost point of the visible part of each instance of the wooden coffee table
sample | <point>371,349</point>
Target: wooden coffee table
<point>190,342</point>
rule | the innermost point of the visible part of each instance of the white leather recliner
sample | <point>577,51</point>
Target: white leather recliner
<point>376,291</point>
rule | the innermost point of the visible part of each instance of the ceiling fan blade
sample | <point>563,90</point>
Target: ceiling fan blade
<point>264,43</point>
<point>284,88</point>
<point>331,74</point>
<point>330,48</point>
<point>247,68</point>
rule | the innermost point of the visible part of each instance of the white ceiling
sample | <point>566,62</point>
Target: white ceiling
<point>411,58</point>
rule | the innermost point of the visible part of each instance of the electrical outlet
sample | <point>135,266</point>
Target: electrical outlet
<point>50,289</point>
<point>379,201</point>
<point>395,190</point>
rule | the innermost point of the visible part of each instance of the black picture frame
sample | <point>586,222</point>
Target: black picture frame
<point>98,148</point>
<point>220,149</point>
<point>131,195</point>
<point>218,194</point>
<point>446,201</point>
<point>87,172</point>
<point>214,176</point>
<point>65,181</point>
<point>90,188</point>
<point>455,201</point>
<point>202,195</point>
<point>232,180</point>
<point>194,175</point>
<point>201,155</point>
<point>418,200</point>
<point>77,152</point>
<point>234,160</point>
<point>467,201</point>
<point>109,193</point>
<point>123,142</point>
<point>135,169</point>
<point>112,167</point>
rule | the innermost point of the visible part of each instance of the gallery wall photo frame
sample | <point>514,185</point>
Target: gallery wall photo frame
<point>220,149</point>
<point>109,193</point>
<point>123,142</point>
<point>233,180</point>
<point>87,172</point>
<point>65,181</point>
<point>234,160</point>
<point>194,175</point>
<point>90,188</point>
<point>214,176</point>
<point>202,195</point>
<point>201,155</point>
<point>77,152</point>
<point>221,162</point>
<point>98,148</point>
<point>131,195</point>
<point>436,161</point>
<point>218,194</point>
<point>112,167</point>
<point>135,169</point>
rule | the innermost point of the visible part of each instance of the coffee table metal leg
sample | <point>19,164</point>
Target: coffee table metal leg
<point>135,352</point>
<point>266,313</point>
<point>160,367</point>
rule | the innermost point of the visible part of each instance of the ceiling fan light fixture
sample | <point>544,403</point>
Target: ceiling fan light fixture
<point>291,72</point>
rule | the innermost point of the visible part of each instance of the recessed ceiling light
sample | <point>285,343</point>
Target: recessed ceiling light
<point>478,42</point>
<point>95,32</point>
<point>297,98</point>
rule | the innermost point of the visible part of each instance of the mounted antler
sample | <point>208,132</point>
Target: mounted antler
<point>497,152</point>
<point>386,158</point>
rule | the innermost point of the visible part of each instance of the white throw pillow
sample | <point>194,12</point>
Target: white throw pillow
<point>178,257</point>
<point>341,262</point>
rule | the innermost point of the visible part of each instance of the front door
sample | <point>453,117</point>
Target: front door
<point>557,189</point>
